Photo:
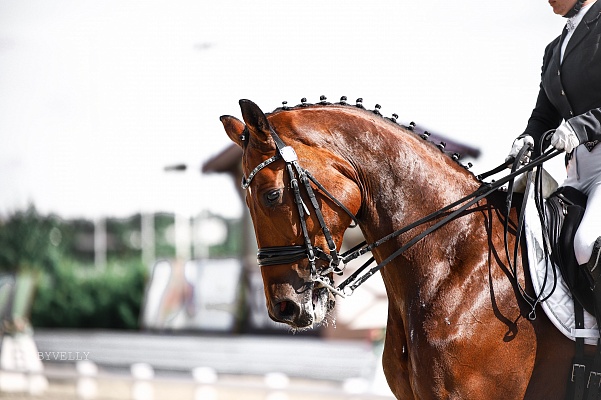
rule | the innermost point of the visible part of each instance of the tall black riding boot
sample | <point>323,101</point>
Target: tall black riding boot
<point>594,263</point>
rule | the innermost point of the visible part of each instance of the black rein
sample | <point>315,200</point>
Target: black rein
<point>277,255</point>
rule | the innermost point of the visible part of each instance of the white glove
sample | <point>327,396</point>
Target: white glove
<point>518,144</point>
<point>565,138</point>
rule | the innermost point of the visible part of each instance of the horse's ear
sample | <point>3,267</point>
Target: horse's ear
<point>255,120</point>
<point>234,128</point>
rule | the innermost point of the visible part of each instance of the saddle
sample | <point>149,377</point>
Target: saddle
<point>564,211</point>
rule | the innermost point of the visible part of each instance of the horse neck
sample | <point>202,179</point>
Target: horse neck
<point>404,178</point>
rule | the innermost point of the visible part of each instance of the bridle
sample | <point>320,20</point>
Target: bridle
<point>269,256</point>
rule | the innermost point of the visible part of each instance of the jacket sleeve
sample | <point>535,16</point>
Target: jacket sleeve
<point>544,116</point>
<point>587,126</point>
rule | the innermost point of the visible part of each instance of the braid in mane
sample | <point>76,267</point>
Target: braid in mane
<point>412,127</point>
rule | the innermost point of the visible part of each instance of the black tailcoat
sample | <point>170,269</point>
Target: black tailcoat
<point>571,90</point>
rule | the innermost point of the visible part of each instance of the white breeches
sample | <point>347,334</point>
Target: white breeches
<point>584,174</point>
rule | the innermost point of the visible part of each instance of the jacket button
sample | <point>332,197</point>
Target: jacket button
<point>562,92</point>
<point>558,72</point>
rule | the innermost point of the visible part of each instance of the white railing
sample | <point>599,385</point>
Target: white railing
<point>87,381</point>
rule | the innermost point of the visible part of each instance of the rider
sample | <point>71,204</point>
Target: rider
<point>570,91</point>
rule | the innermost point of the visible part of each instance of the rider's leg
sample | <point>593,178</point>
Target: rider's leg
<point>594,263</point>
<point>584,174</point>
<point>590,228</point>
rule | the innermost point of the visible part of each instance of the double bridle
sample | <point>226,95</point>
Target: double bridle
<point>268,256</point>
<point>276,255</point>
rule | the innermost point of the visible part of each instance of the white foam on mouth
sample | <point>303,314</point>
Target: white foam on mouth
<point>319,300</point>
<point>308,308</point>
<point>317,309</point>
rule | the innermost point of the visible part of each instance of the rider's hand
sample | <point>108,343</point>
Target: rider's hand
<point>518,144</point>
<point>565,138</point>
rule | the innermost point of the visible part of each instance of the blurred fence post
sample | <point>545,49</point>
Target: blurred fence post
<point>205,377</point>
<point>87,385</point>
<point>142,388</point>
<point>182,237</point>
<point>277,383</point>
<point>100,242</point>
<point>147,233</point>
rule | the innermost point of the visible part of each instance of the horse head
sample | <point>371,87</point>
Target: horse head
<point>299,223</point>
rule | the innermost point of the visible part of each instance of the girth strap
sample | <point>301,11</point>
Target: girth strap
<point>585,375</point>
<point>577,384</point>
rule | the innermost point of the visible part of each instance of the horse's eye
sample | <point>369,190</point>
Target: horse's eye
<point>273,196</point>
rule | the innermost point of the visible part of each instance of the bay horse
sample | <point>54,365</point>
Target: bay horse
<point>457,325</point>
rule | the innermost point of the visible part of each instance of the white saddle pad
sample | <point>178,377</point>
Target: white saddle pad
<point>560,306</point>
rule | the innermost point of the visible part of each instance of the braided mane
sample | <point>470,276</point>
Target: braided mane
<point>412,127</point>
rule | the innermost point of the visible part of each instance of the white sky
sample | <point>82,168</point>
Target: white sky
<point>96,97</point>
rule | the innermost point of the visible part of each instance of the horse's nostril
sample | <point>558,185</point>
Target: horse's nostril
<point>286,311</point>
<point>290,312</point>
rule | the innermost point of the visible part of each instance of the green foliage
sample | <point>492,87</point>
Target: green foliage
<point>58,255</point>
<point>83,297</point>
<point>29,241</point>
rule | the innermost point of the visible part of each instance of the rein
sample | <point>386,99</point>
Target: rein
<point>539,202</point>
<point>269,256</point>
<point>356,279</point>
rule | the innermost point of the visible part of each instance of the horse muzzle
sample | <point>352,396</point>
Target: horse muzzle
<point>303,310</point>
